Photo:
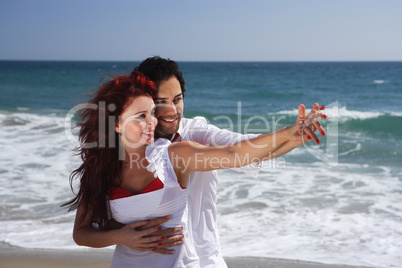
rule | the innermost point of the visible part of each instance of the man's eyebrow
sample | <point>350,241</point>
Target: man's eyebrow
<point>178,95</point>
<point>161,98</point>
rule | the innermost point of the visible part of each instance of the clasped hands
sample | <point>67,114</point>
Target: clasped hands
<point>305,126</point>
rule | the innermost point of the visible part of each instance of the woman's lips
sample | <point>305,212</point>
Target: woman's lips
<point>149,133</point>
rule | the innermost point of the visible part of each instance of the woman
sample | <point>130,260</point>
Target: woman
<point>151,178</point>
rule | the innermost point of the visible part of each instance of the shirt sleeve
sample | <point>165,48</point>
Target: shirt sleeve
<point>157,155</point>
<point>200,131</point>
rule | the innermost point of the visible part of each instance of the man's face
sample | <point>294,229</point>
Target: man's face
<point>169,108</point>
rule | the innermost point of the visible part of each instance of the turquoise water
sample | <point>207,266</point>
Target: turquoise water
<point>341,212</point>
<point>363,86</point>
<point>369,94</point>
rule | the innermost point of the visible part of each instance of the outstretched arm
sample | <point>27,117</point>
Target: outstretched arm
<point>209,135</point>
<point>190,156</point>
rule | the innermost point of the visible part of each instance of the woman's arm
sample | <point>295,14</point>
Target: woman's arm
<point>84,234</point>
<point>190,156</point>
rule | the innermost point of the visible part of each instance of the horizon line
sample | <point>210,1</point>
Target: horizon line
<point>206,61</point>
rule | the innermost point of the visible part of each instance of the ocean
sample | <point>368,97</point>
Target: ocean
<point>336,202</point>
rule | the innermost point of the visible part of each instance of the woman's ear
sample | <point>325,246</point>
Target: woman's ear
<point>118,125</point>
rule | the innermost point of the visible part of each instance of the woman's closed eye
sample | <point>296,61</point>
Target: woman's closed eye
<point>142,116</point>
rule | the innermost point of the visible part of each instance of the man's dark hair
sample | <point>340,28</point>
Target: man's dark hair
<point>158,69</point>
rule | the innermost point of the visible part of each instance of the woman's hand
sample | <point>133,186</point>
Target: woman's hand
<point>149,236</point>
<point>129,237</point>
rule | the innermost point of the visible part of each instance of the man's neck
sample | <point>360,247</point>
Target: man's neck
<point>163,135</point>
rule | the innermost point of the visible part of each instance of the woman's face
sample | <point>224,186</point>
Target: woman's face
<point>137,123</point>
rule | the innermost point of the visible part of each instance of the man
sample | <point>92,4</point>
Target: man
<point>201,208</point>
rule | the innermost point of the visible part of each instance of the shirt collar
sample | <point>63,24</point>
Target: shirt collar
<point>179,131</point>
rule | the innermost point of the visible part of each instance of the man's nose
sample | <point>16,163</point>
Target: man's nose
<point>171,109</point>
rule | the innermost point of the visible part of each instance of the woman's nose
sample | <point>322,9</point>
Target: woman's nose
<point>150,121</point>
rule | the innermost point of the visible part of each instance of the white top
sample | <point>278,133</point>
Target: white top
<point>170,200</point>
<point>201,247</point>
<point>201,210</point>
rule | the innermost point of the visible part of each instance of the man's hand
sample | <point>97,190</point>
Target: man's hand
<point>148,235</point>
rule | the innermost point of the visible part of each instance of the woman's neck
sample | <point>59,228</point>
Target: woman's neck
<point>135,157</point>
<point>135,176</point>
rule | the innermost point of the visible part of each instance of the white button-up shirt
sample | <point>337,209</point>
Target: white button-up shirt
<point>201,208</point>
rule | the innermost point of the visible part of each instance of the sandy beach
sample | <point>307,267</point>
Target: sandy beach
<point>13,257</point>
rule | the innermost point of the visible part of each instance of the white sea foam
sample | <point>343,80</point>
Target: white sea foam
<point>34,181</point>
<point>330,215</point>
<point>342,113</point>
<point>303,210</point>
<point>380,81</point>
<point>396,114</point>
<point>357,148</point>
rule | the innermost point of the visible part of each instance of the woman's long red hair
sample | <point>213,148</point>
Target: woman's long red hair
<point>101,169</point>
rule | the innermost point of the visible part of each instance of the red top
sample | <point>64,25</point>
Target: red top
<point>156,184</point>
<point>116,192</point>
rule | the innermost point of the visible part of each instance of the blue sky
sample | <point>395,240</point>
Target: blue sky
<point>201,30</point>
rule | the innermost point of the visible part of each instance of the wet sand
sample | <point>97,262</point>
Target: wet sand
<point>13,257</point>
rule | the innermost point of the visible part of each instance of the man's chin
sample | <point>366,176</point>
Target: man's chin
<point>166,129</point>
<point>166,132</point>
